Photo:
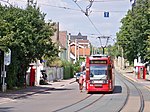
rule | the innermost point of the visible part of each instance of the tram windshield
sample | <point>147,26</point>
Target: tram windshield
<point>98,70</point>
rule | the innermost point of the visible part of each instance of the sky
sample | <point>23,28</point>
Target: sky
<point>71,16</point>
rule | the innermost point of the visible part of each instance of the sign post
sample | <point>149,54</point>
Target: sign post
<point>7,59</point>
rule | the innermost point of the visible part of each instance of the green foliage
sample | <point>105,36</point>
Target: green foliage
<point>54,61</point>
<point>25,32</point>
<point>77,66</point>
<point>112,51</point>
<point>68,69</point>
<point>134,32</point>
<point>148,49</point>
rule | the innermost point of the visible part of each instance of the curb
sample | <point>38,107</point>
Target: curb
<point>33,93</point>
<point>19,96</point>
<point>131,79</point>
<point>52,88</point>
<point>134,80</point>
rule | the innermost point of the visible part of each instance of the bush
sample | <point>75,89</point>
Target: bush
<point>68,70</point>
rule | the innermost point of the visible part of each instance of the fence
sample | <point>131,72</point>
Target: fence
<point>54,73</point>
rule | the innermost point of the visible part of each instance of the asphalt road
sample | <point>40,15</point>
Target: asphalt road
<point>127,97</point>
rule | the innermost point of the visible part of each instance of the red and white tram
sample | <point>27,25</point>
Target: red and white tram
<point>99,74</point>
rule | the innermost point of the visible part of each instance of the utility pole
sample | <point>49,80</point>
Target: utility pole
<point>103,46</point>
<point>4,76</point>
<point>75,50</point>
<point>78,51</point>
<point>69,47</point>
<point>122,59</point>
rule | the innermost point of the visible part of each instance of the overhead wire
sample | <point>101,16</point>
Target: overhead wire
<point>106,1</point>
<point>75,1</point>
<point>68,8</point>
<point>88,7</point>
<point>88,19</point>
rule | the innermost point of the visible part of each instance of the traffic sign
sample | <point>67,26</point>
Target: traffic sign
<point>7,57</point>
<point>106,14</point>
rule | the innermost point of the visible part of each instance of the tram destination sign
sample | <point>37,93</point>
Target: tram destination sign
<point>98,61</point>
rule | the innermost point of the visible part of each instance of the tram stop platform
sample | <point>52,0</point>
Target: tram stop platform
<point>128,72</point>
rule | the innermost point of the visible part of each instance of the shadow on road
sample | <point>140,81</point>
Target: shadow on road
<point>29,91</point>
<point>5,109</point>
<point>117,89</point>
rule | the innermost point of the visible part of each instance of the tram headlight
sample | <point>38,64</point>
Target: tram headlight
<point>105,81</point>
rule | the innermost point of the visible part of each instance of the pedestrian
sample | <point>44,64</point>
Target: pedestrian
<point>81,81</point>
<point>84,76</point>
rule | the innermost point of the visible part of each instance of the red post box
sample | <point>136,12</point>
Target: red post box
<point>32,76</point>
<point>141,73</point>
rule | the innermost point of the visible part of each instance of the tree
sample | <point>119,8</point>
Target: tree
<point>133,34</point>
<point>28,36</point>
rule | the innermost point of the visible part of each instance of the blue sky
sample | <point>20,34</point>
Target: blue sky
<point>73,20</point>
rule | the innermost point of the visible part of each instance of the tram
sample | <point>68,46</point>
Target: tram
<point>99,74</point>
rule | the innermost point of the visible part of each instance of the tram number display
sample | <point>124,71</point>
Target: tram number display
<point>98,61</point>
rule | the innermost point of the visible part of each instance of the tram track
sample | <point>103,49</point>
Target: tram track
<point>132,92</point>
<point>141,97</point>
<point>90,103</point>
<point>142,103</point>
<point>72,104</point>
<point>127,97</point>
<point>78,103</point>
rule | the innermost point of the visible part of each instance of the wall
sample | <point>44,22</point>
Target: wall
<point>54,73</point>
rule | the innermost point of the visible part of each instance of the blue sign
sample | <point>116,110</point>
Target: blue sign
<point>106,14</point>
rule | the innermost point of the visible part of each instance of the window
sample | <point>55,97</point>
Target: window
<point>98,70</point>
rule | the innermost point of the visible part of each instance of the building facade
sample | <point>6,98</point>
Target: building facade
<point>79,46</point>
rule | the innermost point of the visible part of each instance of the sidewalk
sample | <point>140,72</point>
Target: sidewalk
<point>128,72</point>
<point>23,93</point>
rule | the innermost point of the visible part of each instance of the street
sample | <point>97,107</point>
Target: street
<point>44,44</point>
<point>128,96</point>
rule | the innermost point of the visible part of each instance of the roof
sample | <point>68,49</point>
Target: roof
<point>79,36</point>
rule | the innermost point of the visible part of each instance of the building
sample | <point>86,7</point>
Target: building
<point>63,45</point>
<point>71,46</point>
<point>79,46</point>
<point>60,39</point>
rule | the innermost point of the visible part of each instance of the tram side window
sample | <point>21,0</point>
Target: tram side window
<point>109,72</point>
